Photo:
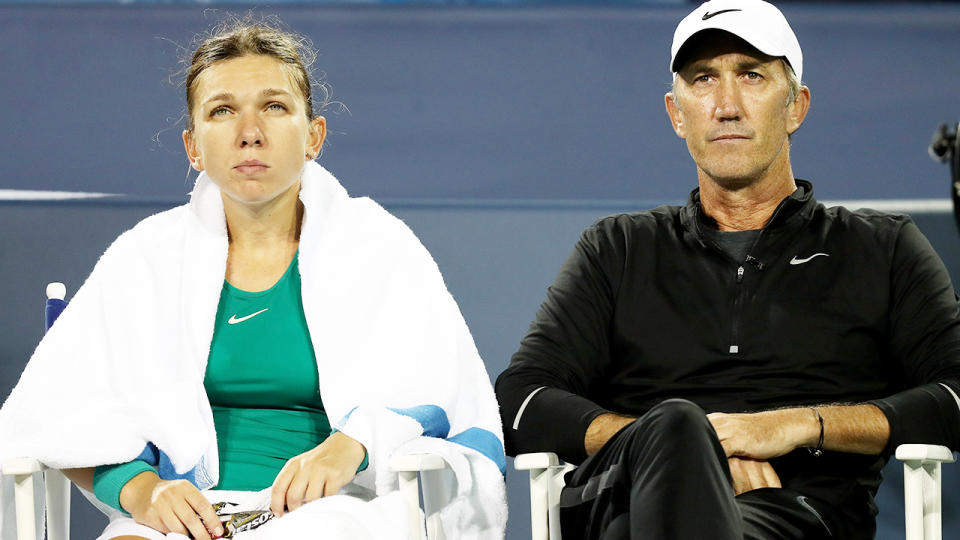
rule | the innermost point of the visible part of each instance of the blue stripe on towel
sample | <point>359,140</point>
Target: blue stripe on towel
<point>346,417</point>
<point>165,469</point>
<point>431,417</point>
<point>484,442</point>
<point>435,424</point>
<point>150,454</point>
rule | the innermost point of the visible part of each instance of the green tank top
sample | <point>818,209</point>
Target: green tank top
<point>262,383</point>
<point>263,387</point>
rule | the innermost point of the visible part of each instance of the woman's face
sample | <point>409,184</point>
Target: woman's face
<point>250,131</point>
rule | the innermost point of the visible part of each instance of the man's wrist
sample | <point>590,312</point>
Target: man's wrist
<point>602,429</point>
<point>805,426</point>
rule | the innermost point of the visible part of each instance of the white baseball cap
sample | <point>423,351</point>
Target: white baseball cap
<point>758,23</point>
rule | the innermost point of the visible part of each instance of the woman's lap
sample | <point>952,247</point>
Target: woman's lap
<point>124,526</point>
<point>340,516</point>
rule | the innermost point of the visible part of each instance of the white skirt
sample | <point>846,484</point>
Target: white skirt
<point>348,516</point>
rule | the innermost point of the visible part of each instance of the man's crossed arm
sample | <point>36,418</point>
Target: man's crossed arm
<point>750,439</point>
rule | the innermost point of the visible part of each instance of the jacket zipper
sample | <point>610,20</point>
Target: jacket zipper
<point>735,320</point>
<point>738,299</point>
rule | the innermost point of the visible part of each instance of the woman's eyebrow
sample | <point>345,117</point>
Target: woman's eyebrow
<point>227,96</point>
<point>268,92</point>
<point>222,96</point>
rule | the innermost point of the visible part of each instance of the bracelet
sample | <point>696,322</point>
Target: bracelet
<point>818,451</point>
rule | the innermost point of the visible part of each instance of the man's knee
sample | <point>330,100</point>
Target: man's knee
<point>671,422</point>
<point>678,416</point>
<point>671,428</point>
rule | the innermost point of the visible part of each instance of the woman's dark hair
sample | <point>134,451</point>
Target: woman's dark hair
<point>249,36</point>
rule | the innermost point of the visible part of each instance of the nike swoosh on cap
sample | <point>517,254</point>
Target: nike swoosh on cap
<point>795,261</point>
<point>234,320</point>
<point>708,15</point>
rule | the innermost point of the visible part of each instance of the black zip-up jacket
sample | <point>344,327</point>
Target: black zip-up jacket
<point>830,306</point>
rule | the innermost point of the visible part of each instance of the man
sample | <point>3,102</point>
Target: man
<point>742,366</point>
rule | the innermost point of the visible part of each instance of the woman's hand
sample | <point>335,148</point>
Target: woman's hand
<point>321,472</point>
<point>170,506</point>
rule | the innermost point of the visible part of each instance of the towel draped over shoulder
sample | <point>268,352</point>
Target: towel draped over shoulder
<point>120,375</point>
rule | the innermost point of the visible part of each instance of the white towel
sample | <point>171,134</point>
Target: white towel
<point>124,364</point>
<point>353,514</point>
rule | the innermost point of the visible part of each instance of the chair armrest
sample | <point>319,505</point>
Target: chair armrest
<point>417,463</point>
<point>17,466</point>
<point>537,460</point>
<point>546,483</point>
<point>921,488</point>
<point>409,469</point>
<point>22,471</point>
<point>58,505</point>
<point>56,489</point>
<point>924,452</point>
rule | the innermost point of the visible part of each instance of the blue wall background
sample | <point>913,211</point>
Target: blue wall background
<point>474,102</point>
<point>496,132</point>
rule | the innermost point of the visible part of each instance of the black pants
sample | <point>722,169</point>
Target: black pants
<point>666,476</point>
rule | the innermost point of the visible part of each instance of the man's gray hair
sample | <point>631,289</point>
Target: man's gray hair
<point>793,82</point>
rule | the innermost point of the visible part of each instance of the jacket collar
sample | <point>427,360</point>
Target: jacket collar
<point>797,207</point>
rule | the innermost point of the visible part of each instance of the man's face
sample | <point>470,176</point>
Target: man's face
<point>730,103</point>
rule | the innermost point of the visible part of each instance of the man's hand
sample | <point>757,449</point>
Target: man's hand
<point>170,506</point>
<point>859,429</point>
<point>765,435</point>
<point>321,472</point>
<point>750,474</point>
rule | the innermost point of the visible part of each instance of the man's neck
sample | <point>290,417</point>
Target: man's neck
<point>745,208</point>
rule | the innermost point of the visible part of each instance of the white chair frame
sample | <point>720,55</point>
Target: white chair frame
<point>424,524</point>
<point>921,484</point>
<point>56,493</point>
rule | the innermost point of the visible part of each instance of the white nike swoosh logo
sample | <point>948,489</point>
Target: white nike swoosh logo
<point>234,320</point>
<point>803,501</point>
<point>796,261</point>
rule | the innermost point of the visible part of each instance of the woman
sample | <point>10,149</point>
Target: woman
<point>267,303</point>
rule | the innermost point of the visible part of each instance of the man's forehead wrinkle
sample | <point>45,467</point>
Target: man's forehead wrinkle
<point>746,63</point>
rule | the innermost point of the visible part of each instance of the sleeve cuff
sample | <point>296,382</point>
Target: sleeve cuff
<point>554,420</point>
<point>108,481</point>
<point>927,414</point>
